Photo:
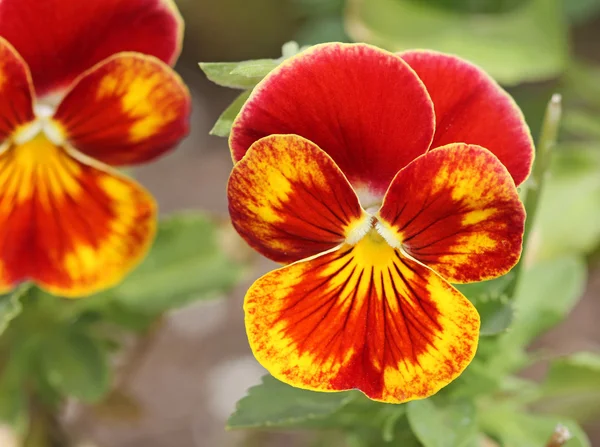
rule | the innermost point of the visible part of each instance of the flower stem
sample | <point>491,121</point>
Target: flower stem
<point>534,186</point>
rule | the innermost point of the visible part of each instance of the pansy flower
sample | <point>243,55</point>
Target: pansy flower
<point>379,180</point>
<point>85,86</point>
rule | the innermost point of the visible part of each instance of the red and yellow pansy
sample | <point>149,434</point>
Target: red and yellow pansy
<point>84,86</point>
<point>378,179</point>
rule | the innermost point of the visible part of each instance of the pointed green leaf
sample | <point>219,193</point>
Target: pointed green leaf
<point>276,404</point>
<point>569,210</point>
<point>452,425</point>
<point>496,314</point>
<point>545,296</point>
<point>243,75</point>
<point>77,365</point>
<point>10,305</point>
<point>495,310</point>
<point>572,387</point>
<point>222,127</point>
<point>515,428</point>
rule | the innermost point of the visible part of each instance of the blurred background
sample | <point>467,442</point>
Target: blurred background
<point>179,382</point>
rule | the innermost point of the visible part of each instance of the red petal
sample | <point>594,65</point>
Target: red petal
<point>363,106</point>
<point>289,200</point>
<point>16,94</point>
<point>128,109</point>
<point>60,39</point>
<point>71,227</point>
<point>457,210</point>
<point>470,107</point>
<point>361,317</point>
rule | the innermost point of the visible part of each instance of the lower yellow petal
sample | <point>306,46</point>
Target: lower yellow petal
<point>72,226</point>
<point>365,317</point>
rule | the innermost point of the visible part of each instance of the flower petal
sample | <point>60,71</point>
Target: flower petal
<point>289,200</point>
<point>361,317</point>
<point>60,39</point>
<point>470,107</point>
<point>71,227</point>
<point>16,93</point>
<point>128,109</point>
<point>363,106</point>
<point>457,210</point>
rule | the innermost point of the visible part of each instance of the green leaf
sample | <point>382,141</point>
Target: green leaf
<point>572,387</point>
<point>495,309</point>
<point>569,209</point>
<point>545,296</point>
<point>222,127</point>
<point>452,425</point>
<point>515,428</point>
<point>581,123</point>
<point>497,314</point>
<point>13,399</point>
<point>243,75</point>
<point>527,43</point>
<point>581,10</point>
<point>485,289</point>
<point>10,306</point>
<point>275,404</point>
<point>77,365</point>
<point>186,263</point>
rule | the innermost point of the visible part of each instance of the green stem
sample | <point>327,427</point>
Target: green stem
<point>45,429</point>
<point>535,184</point>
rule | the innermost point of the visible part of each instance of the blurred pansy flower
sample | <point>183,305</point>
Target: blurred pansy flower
<point>84,86</point>
<point>379,179</point>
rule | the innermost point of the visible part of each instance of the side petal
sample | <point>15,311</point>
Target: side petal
<point>61,39</point>
<point>470,107</point>
<point>289,200</point>
<point>72,227</point>
<point>363,106</point>
<point>128,109</point>
<point>361,317</point>
<point>16,92</point>
<point>457,210</point>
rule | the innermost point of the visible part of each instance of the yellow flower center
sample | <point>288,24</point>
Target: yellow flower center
<point>42,124</point>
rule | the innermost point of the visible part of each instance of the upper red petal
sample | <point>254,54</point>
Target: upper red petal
<point>363,106</point>
<point>60,39</point>
<point>16,95</point>
<point>470,107</point>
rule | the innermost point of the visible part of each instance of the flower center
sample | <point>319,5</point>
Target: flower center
<point>42,124</point>
<point>372,228</point>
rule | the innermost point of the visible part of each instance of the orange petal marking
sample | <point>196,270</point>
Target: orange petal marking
<point>128,109</point>
<point>16,92</point>
<point>289,200</point>
<point>457,210</point>
<point>71,226</point>
<point>365,317</point>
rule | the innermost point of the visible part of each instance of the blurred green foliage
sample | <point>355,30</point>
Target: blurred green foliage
<point>54,348</point>
<point>526,43</point>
